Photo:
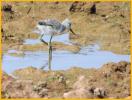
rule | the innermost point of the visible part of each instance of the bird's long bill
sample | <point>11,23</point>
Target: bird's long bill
<point>72,32</point>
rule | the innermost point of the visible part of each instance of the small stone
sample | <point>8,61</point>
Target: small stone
<point>7,8</point>
<point>43,92</point>
<point>93,9</point>
<point>40,86</point>
<point>61,79</point>
<point>99,92</point>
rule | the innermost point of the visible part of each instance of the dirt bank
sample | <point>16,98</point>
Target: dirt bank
<point>112,80</point>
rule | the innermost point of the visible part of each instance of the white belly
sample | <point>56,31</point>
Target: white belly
<point>47,30</point>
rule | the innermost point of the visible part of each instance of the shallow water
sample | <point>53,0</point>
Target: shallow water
<point>87,57</point>
<point>64,38</point>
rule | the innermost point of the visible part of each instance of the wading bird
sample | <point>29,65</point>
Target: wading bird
<point>53,27</point>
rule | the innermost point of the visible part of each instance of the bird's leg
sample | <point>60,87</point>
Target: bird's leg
<point>50,52</point>
<point>41,39</point>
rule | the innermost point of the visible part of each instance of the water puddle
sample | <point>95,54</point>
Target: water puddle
<point>88,57</point>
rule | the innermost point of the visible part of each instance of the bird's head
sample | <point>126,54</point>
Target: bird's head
<point>39,27</point>
<point>67,24</point>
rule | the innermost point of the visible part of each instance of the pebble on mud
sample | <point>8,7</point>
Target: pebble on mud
<point>7,8</point>
<point>41,89</point>
<point>99,92</point>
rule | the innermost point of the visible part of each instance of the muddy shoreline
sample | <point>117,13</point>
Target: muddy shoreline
<point>114,79</point>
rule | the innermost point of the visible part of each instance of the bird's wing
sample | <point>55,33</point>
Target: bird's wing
<point>44,23</point>
<point>54,23</point>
